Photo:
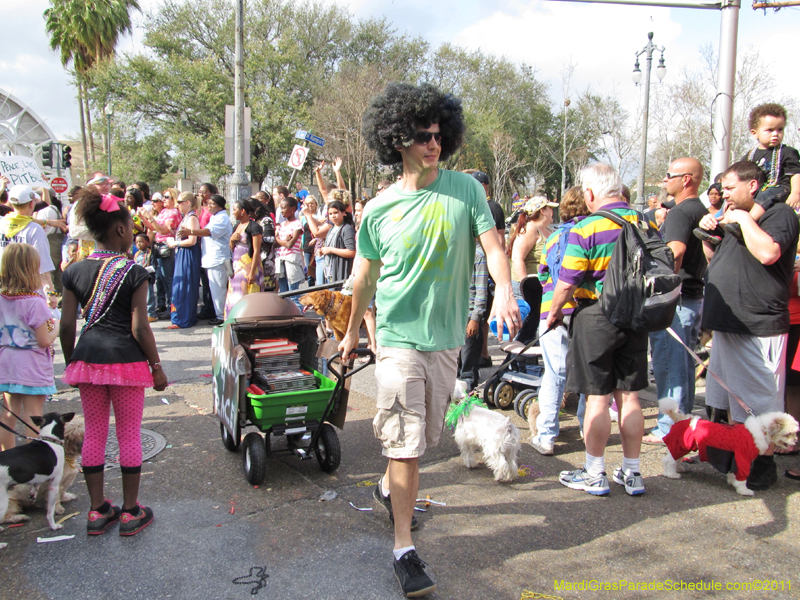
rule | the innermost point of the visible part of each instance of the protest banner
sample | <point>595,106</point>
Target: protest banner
<point>21,170</point>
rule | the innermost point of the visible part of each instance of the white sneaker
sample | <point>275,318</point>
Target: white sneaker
<point>542,448</point>
<point>633,482</point>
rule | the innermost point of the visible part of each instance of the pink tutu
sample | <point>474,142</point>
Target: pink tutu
<point>127,374</point>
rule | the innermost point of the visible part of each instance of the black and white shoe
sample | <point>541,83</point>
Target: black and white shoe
<point>410,572</point>
<point>387,504</point>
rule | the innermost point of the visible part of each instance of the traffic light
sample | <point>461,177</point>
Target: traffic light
<point>47,154</point>
<point>66,157</point>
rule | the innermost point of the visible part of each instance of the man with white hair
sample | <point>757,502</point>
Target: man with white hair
<point>21,227</point>
<point>602,359</point>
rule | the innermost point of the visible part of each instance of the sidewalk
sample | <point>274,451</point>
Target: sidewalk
<point>490,541</point>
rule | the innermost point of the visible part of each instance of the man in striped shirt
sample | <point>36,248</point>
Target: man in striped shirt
<point>602,360</point>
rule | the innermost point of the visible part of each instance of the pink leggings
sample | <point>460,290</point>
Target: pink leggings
<point>128,404</point>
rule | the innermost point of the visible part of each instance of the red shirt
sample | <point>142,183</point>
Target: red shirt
<point>682,439</point>
<point>204,216</point>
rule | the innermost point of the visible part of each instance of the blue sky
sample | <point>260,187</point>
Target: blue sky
<point>600,40</point>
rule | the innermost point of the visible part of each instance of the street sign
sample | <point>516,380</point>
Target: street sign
<point>298,157</point>
<point>300,135</point>
<point>59,185</point>
<point>315,140</point>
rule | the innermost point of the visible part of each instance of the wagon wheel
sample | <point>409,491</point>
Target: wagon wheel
<point>328,451</point>
<point>231,443</point>
<point>504,395</point>
<point>521,402</point>
<point>254,459</point>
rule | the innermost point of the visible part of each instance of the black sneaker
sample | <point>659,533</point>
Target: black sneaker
<point>98,522</point>
<point>735,230</point>
<point>131,525</point>
<point>763,473</point>
<point>411,576</point>
<point>712,237</point>
<point>215,321</point>
<point>387,503</point>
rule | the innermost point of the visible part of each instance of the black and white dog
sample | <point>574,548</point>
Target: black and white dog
<point>39,461</point>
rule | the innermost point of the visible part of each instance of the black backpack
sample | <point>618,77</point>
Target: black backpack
<point>641,290</point>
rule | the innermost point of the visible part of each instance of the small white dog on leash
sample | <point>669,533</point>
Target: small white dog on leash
<point>487,432</point>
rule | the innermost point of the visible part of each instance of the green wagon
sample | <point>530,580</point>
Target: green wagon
<point>306,419</point>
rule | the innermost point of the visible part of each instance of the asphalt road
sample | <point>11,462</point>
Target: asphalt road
<point>216,536</point>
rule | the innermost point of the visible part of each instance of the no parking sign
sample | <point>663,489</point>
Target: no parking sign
<point>298,157</point>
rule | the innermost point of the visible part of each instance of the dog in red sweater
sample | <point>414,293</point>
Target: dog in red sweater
<point>729,448</point>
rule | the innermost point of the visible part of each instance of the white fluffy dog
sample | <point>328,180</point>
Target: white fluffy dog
<point>490,433</point>
<point>720,444</point>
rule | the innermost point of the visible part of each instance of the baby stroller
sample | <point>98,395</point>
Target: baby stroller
<point>516,383</point>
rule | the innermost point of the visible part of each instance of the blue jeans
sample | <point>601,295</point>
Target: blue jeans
<point>319,276</point>
<point>285,286</point>
<point>165,267</point>
<point>673,366</point>
<point>554,347</point>
<point>151,299</point>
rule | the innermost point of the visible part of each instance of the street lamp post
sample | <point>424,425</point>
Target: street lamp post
<point>109,110</point>
<point>564,152</point>
<point>661,71</point>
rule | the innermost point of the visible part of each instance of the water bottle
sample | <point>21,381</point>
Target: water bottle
<point>524,311</point>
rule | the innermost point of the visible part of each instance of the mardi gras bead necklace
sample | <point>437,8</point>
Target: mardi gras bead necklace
<point>20,294</point>
<point>106,286</point>
<point>774,168</point>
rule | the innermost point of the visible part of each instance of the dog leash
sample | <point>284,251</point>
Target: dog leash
<point>519,353</point>
<point>4,407</point>
<point>710,372</point>
<point>19,435</point>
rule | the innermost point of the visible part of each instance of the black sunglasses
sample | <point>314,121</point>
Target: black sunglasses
<point>674,175</point>
<point>424,137</point>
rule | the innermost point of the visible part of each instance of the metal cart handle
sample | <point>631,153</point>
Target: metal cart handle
<point>302,452</point>
<point>357,352</point>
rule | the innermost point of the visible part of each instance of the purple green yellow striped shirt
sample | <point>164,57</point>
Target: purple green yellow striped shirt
<point>588,252</point>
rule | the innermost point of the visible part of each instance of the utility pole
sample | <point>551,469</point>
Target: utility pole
<point>637,75</point>
<point>726,78</point>
<point>240,181</point>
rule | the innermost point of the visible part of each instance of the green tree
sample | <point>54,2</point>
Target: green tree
<point>85,32</point>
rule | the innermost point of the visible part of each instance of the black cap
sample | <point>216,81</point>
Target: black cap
<point>481,177</point>
<point>669,204</point>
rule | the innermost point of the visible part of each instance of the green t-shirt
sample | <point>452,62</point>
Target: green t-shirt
<point>426,242</point>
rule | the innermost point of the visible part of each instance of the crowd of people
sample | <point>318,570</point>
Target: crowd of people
<point>428,264</point>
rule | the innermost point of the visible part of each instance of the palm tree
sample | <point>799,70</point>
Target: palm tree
<point>85,32</point>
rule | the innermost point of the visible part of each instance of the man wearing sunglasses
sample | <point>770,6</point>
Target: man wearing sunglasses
<point>673,367</point>
<point>417,241</point>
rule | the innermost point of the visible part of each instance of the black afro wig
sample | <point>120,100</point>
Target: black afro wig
<point>394,116</point>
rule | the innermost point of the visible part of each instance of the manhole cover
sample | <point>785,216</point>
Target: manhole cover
<point>152,444</point>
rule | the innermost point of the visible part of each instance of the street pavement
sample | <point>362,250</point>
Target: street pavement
<point>216,536</point>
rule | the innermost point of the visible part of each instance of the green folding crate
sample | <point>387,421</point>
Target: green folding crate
<point>268,410</point>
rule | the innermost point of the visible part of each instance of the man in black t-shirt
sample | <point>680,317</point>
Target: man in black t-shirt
<point>673,367</point>
<point>747,305</point>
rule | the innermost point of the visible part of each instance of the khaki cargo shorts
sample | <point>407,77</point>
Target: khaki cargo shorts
<point>414,390</point>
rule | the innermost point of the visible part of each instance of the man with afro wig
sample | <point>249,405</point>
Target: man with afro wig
<point>417,241</point>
